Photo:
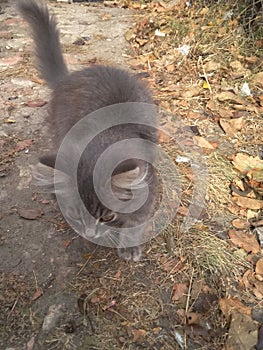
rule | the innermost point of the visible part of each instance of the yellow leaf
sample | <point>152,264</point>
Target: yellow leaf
<point>206,85</point>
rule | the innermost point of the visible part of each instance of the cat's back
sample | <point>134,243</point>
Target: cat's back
<point>85,91</point>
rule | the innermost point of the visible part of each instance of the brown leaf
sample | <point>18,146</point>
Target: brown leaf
<point>36,103</point>
<point>231,126</point>
<point>30,214</point>
<point>212,66</point>
<point>233,208</point>
<point>184,211</point>
<point>138,334</point>
<point>66,243</point>
<point>240,223</point>
<point>192,91</point>
<point>129,35</point>
<point>259,267</point>
<point>248,165</point>
<point>37,294</point>
<point>21,145</point>
<point>170,264</point>
<point>203,143</point>
<point>230,97</point>
<point>251,59</point>
<point>179,290</point>
<point>237,66</point>
<point>163,137</point>
<point>170,68</point>
<point>258,79</point>
<point>230,305</point>
<point>243,240</point>
<point>249,203</point>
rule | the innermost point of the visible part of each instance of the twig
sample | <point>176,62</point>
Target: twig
<point>188,302</point>
<point>13,307</point>
<point>200,60</point>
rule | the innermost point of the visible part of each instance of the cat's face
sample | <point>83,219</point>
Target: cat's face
<point>86,213</point>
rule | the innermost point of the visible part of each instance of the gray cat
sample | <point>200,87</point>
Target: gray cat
<point>74,96</point>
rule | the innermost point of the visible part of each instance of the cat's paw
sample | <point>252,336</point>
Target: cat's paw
<point>131,253</point>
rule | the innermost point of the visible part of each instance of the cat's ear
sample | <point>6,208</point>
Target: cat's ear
<point>47,177</point>
<point>131,179</point>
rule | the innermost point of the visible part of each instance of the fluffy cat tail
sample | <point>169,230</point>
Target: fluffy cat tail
<point>50,61</point>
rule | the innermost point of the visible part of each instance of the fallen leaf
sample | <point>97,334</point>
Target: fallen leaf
<point>248,165</point>
<point>170,264</point>
<point>170,68</point>
<point>163,137</point>
<point>258,79</point>
<point>230,305</point>
<point>37,294</point>
<point>249,203</point>
<point>179,290</point>
<point>106,16</point>
<point>38,80</point>
<point>231,126</point>
<point>30,214</point>
<point>109,305</point>
<point>36,103</point>
<point>237,66</point>
<point>23,144</point>
<point>193,91</point>
<point>230,97</point>
<point>66,243</point>
<point>233,208</point>
<point>259,267</point>
<point>206,85</point>
<point>184,211</point>
<point>138,334</point>
<point>251,59</point>
<point>211,66</point>
<point>203,143</point>
<point>243,240</point>
<point>240,223</point>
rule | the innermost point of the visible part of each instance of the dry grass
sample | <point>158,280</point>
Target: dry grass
<point>208,254</point>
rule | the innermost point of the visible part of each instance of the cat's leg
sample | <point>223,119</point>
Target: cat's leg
<point>130,245</point>
<point>130,253</point>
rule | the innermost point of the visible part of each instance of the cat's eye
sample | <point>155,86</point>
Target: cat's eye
<point>107,218</point>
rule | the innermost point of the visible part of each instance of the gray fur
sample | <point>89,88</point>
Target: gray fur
<point>75,95</point>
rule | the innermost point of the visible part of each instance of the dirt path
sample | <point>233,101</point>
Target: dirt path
<point>38,258</point>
